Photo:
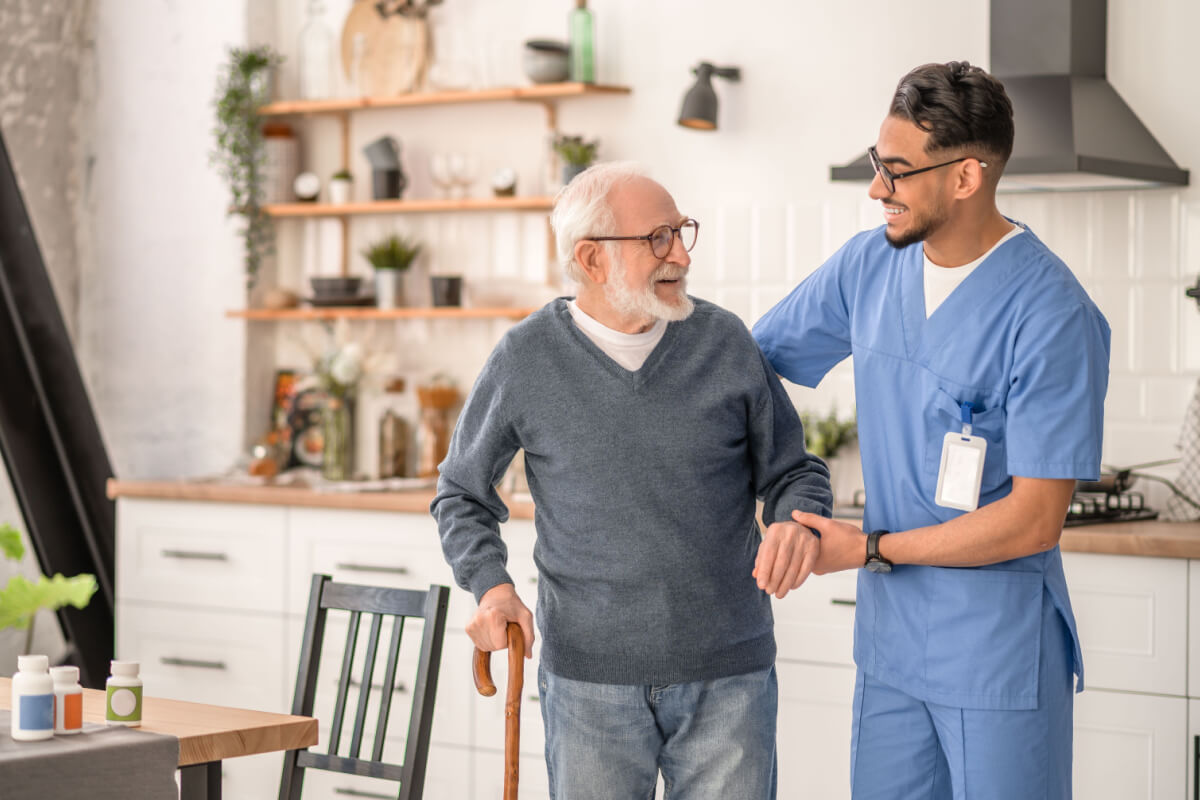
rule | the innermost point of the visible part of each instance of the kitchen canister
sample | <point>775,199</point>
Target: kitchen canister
<point>32,699</point>
<point>123,702</point>
<point>68,699</point>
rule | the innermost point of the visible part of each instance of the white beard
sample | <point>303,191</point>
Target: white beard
<point>643,303</point>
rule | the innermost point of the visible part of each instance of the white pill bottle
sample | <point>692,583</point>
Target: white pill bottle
<point>32,699</point>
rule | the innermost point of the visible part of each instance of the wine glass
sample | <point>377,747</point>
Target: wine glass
<point>441,174</point>
<point>464,169</point>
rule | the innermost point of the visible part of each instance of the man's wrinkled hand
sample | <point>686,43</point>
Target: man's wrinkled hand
<point>786,557</point>
<point>499,606</point>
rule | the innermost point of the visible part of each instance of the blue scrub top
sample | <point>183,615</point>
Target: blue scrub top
<point>1021,340</point>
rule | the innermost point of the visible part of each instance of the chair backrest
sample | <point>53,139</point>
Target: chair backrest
<point>378,603</point>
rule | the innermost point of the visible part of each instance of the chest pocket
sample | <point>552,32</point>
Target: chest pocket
<point>943,415</point>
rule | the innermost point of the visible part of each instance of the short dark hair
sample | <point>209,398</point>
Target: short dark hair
<point>960,105</point>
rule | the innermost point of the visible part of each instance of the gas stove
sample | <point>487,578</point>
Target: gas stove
<point>1090,508</point>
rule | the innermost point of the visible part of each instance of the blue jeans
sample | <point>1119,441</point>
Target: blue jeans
<point>712,740</point>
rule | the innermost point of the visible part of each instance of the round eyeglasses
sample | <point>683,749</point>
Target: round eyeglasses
<point>661,239</point>
<point>889,178</point>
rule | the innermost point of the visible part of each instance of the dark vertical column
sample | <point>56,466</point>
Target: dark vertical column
<point>49,438</point>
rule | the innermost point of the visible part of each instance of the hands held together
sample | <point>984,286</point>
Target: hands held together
<point>790,552</point>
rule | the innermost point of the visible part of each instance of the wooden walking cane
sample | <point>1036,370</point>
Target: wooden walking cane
<point>482,664</point>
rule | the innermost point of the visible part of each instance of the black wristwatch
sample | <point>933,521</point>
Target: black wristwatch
<point>876,562</point>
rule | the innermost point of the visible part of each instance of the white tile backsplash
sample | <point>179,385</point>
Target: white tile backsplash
<point>1126,400</point>
<point>1155,321</point>
<point>1156,235</point>
<point>1167,398</point>
<point>1111,227</point>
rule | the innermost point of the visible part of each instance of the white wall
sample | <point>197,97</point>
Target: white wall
<point>817,79</point>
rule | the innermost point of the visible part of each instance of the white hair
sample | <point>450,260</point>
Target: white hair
<point>581,209</point>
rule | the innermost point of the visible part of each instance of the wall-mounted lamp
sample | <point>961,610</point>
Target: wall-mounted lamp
<point>700,103</point>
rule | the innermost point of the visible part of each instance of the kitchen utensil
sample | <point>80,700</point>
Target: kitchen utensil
<point>482,671</point>
<point>545,61</point>
<point>383,153</point>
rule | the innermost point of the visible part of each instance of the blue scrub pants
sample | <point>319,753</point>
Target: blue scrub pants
<point>712,740</point>
<point>903,748</point>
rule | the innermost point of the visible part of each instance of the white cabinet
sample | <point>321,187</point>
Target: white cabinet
<point>1130,746</point>
<point>815,704</point>
<point>1132,618</point>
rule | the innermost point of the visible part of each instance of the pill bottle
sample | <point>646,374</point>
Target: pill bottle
<point>68,700</point>
<point>123,701</point>
<point>32,699</point>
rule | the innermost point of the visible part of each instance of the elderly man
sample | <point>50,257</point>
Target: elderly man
<point>650,423</point>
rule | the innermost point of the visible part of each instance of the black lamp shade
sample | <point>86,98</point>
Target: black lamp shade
<point>700,103</point>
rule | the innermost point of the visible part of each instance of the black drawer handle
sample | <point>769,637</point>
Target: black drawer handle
<point>195,555</point>
<point>359,793</point>
<point>172,661</point>
<point>1196,768</point>
<point>841,601</point>
<point>373,568</point>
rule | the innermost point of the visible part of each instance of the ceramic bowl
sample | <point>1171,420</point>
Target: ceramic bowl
<point>545,61</point>
<point>335,287</point>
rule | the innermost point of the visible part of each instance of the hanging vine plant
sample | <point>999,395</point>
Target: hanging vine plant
<point>244,86</point>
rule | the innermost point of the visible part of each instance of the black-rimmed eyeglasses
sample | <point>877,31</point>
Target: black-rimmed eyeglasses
<point>661,238</point>
<point>889,178</point>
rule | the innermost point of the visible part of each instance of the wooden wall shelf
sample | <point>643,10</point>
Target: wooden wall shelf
<point>368,313</point>
<point>426,206</point>
<point>537,93</point>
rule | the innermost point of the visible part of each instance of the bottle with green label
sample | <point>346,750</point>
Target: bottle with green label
<point>583,65</point>
<point>123,703</point>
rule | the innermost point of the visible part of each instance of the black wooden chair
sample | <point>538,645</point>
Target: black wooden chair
<point>377,602</point>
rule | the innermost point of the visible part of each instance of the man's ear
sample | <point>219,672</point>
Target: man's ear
<point>592,258</point>
<point>971,178</point>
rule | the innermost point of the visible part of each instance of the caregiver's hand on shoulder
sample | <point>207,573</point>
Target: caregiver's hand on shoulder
<point>499,606</point>
<point>786,557</point>
<point>843,546</point>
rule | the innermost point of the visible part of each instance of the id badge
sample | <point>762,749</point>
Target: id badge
<point>961,472</point>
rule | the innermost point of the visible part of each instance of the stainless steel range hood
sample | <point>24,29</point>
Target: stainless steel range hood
<point>1073,131</point>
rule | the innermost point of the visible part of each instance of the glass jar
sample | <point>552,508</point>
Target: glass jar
<point>316,54</point>
<point>337,428</point>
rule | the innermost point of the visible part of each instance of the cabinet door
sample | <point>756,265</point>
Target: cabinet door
<point>816,621</point>
<point>447,777</point>
<point>1193,681</point>
<point>815,706</point>
<point>1132,618</point>
<point>377,548</point>
<point>1130,746</point>
<point>212,555</point>
<point>1193,746</point>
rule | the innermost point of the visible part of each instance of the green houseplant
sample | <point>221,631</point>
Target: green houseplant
<point>242,87</point>
<point>21,599</point>
<point>576,153</point>
<point>824,436</point>
<point>390,256</point>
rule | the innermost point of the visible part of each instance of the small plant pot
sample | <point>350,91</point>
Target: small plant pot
<point>339,191</point>
<point>569,171</point>
<point>447,290</point>
<point>389,288</point>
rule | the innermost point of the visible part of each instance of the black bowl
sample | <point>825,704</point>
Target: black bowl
<point>335,287</point>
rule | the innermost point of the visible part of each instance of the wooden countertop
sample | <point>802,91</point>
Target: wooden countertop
<point>1152,538</point>
<point>415,501</point>
<point>206,733</point>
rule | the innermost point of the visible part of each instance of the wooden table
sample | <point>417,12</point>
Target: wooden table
<point>206,734</point>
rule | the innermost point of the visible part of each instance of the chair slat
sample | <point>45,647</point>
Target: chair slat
<point>339,710</point>
<point>350,766</point>
<point>389,683</point>
<point>373,599</point>
<point>364,691</point>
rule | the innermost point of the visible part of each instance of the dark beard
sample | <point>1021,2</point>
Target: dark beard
<point>912,237</point>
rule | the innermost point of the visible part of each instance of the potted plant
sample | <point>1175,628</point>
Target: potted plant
<point>825,437</point>
<point>21,599</point>
<point>577,154</point>
<point>390,256</point>
<point>339,187</point>
<point>239,153</point>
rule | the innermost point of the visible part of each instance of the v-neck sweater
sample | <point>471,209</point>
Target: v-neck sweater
<point>644,484</point>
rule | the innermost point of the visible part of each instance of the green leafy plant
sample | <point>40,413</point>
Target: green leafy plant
<point>20,599</point>
<point>575,151</point>
<point>824,436</point>
<point>393,252</point>
<point>238,154</point>
<point>342,175</point>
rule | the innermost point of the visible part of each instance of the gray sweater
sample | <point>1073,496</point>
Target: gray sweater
<point>644,484</point>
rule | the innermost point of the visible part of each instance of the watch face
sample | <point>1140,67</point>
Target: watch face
<point>878,565</point>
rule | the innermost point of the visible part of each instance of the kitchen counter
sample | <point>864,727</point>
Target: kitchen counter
<point>1152,538</point>
<point>415,501</point>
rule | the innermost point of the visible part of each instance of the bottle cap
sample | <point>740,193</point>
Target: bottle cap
<point>67,674</point>
<point>126,669</point>
<point>33,663</point>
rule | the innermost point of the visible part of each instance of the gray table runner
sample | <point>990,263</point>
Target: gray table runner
<point>101,763</point>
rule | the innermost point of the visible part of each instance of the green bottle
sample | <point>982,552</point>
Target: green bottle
<point>583,64</point>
